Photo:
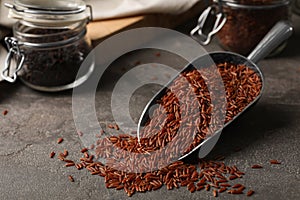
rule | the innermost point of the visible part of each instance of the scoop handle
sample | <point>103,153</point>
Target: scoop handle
<point>281,31</point>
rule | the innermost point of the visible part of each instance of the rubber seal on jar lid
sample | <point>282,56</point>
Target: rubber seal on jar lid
<point>49,12</point>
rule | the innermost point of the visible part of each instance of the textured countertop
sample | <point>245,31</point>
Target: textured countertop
<point>270,130</point>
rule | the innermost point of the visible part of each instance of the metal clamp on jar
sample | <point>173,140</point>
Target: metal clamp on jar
<point>240,25</point>
<point>49,44</point>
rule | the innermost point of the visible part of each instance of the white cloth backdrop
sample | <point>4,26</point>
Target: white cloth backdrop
<point>103,9</point>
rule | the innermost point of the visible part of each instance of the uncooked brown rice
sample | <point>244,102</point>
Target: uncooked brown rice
<point>242,86</point>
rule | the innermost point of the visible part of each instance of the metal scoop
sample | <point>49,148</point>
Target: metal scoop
<point>279,33</point>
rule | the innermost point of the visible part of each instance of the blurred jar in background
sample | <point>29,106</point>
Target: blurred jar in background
<point>49,44</point>
<point>248,21</point>
<point>241,24</point>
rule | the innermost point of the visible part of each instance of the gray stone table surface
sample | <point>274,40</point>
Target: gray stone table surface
<point>269,130</point>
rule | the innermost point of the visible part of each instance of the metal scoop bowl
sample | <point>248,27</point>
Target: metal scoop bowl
<point>278,34</point>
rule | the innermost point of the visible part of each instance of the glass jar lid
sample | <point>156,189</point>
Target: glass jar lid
<point>54,12</point>
<point>253,2</point>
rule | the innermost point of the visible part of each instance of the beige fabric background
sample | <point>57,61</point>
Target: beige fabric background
<point>103,9</point>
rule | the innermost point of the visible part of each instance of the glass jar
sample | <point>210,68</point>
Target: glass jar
<point>248,21</point>
<point>49,44</point>
<point>241,24</point>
